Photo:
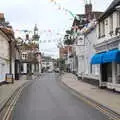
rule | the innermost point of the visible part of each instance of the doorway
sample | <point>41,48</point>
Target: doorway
<point>106,72</point>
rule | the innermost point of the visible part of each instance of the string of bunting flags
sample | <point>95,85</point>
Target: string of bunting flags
<point>40,31</point>
<point>50,40</point>
<point>62,8</point>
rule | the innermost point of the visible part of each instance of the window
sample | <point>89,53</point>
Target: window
<point>94,69</point>
<point>118,19</point>
<point>25,56</point>
<point>118,73</point>
<point>91,68</point>
<point>111,23</point>
<point>101,29</point>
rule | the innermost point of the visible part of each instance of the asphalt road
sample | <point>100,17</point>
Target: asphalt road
<point>45,99</point>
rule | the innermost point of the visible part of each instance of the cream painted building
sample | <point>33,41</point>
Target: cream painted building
<point>4,56</point>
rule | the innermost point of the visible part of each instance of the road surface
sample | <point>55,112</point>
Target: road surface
<point>46,99</point>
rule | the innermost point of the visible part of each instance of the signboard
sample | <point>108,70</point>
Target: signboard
<point>9,78</point>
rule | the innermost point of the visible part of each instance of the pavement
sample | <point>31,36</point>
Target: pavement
<point>7,90</point>
<point>106,98</point>
<point>48,99</point>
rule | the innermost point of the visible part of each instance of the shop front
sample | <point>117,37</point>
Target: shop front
<point>109,68</point>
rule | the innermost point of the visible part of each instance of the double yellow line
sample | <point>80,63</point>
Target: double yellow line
<point>111,115</point>
<point>11,106</point>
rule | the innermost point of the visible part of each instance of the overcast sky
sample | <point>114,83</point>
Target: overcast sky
<point>51,18</point>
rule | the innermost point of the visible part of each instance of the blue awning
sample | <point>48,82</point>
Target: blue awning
<point>106,57</point>
<point>111,56</point>
<point>97,58</point>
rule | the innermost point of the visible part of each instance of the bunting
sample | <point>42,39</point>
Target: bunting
<point>62,8</point>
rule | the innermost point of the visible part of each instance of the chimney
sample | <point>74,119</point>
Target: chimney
<point>2,17</point>
<point>88,10</point>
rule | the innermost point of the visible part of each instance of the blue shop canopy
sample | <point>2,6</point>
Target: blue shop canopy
<point>110,56</point>
<point>97,58</point>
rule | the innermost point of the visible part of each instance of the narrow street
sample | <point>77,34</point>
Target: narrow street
<point>46,99</point>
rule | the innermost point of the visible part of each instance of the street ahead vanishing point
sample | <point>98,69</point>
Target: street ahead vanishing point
<point>46,99</point>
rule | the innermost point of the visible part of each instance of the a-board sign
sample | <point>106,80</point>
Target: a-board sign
<point>9,78</point>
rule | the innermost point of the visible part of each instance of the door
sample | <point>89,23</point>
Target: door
<point>106,72</point>
<point>16,70</point>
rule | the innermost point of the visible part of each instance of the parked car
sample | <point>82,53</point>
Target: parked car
<point>57,70</point>
<point>50,70</point>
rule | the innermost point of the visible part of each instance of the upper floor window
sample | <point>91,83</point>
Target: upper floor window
<point>118,19</point>
<point>111,23</point>
<point>102,29</point>
<point>99,30</point>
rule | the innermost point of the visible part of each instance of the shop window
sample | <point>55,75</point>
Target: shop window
<point>94,69</point>
<point>91,68</point>
<point>118,73</point>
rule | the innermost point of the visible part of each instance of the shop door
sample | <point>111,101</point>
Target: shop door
<point>106,72</point>
<point>16,70</point>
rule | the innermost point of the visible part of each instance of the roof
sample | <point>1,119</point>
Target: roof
<point>110,9</point>
<point>7,31</point>
<point>96,14</point>
<point>82,21</point>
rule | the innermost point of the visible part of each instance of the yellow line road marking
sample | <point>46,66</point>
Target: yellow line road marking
<point>111,116</point>
<point>11,106</point>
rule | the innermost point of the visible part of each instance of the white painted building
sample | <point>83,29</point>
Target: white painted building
<point>85,50</point>
<point>4,56</point>
<point>90,71</point>
<point>108,47</point>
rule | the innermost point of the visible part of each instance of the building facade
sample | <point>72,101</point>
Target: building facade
<point>108,47</point>
<point>4,56</point>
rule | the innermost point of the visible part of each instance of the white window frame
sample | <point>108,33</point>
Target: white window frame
<point>118,19</point>
<point>111,23</point>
